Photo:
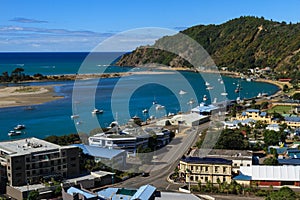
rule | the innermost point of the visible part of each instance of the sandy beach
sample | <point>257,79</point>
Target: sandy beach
<point>26,95</point>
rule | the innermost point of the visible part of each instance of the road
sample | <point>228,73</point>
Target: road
<point>166,160</point>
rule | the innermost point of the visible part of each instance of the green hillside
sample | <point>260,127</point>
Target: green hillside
<point>239,44</point>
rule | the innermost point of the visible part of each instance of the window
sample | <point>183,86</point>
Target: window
<point>206,178</point>
<point>241,164</point>
<point>224,178</point>
<point>191,178</point>
<point>216,169</point>
<point>248,165</point>
<point>224,169</point>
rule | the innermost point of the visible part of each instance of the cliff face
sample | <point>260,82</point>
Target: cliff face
<point>239,44</point>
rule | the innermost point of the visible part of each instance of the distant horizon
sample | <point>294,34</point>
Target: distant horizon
<point>58,26</point>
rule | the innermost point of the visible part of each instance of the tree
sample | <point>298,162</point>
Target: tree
<point>232,139</point>
<point>273,138</point>
<point>270,161</point>
<point>296,96</point>
<point>285,193</point>
<point>285,88</point>
<point>33,195</point>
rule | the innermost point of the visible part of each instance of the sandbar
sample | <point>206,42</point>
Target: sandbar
<point>13,96</point>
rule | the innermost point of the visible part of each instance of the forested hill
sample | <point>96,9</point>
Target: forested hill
<point>239,44</point>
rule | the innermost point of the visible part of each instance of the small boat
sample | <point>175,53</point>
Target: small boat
<point>97,111</point>
<point>224,93</point>
<point>204,98</point>
<point>182,92</point>
<point>20,127</point>
<point>207,83</point>
<point>210,88</point>
<point>14,133</point>
<point>159,107</point>
<point>171,114</point>
<point>79,122</point>
<point>74,116</point>
<point>145,111</point>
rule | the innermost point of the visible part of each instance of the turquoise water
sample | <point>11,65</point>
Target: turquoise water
<point>53,118</point>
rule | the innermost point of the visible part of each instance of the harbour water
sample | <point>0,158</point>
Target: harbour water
<point>53,118</point>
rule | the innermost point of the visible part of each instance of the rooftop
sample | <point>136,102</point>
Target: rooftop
<point>206,160</point>
<point>292,119</point>
<point>271,173</point>
<point>27,146</point>
<point>242,177</point>
<point>99,151</point>
<point>252,110</point>
<point>228,154</point>
<point>144,192</point>
<point>73,190</point>
<point>289,161</point>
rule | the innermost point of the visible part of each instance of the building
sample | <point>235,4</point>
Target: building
<point>92,180</point>
<point>163,136</point>
<point>145,192</point>
<point>195,169</point>
<point>273,127</point>
<point>191,119</point>
<point>204,109</point>
<point>128,139</point>
<point>238,157</point>
<point>255,114</point>
<point>73,193</point>
<point>293,122</point>
<point>273,175</point>
<point>30,160</point>
<point>114,158</point>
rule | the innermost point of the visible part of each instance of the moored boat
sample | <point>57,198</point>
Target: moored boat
<point>14,133</point>
<point>97,111</point>
<point>20,127</point>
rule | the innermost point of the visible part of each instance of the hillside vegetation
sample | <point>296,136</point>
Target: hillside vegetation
<point>239,44</point>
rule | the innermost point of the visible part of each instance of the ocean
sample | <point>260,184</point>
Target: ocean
<point>119,97</point>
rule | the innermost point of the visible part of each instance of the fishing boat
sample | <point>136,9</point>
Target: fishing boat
<point>97,111</point>
<point>14,133</point>
<point>20,127</point>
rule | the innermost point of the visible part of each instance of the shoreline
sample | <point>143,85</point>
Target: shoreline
<point>9,97</point>
<point>16,96</point>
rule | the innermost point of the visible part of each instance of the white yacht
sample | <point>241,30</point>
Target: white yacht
<point>97,111</point>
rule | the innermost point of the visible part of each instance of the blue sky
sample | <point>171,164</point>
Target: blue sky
<point>80,25</point>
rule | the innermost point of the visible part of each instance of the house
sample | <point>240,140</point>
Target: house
<point>273,127</point>
<point>195,169</point>
<point>293,122</point>
<point>254,114</point>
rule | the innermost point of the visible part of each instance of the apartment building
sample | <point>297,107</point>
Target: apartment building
<point>195,169</point>
<point>27,161</point>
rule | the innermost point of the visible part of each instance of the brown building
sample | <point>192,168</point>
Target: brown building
<point>27,161</point>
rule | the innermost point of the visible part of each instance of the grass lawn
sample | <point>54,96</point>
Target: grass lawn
<point>281,109</point>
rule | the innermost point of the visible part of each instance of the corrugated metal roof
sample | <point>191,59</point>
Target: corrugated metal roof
<point>144,192</point>
<point>272,173</point>
<point>252,110</point>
